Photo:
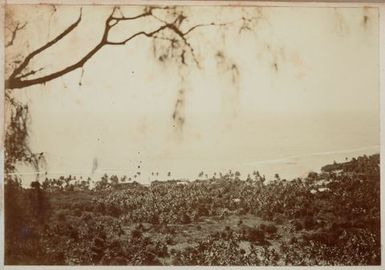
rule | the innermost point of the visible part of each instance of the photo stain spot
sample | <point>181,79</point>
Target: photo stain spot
<point>178,113</point>
<point>275,66</point>
<point>366,19</point>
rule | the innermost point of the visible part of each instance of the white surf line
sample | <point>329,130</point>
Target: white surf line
<point>280,160</point>
<point>288,158</point>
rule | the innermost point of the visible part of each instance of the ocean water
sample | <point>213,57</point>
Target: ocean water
<point>291,145</point>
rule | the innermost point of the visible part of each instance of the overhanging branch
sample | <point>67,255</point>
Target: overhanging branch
<point>18,78</point>
<point>29,57</point>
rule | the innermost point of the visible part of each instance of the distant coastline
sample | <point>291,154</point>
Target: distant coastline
<point>289,167</point>
<point>327,153</point>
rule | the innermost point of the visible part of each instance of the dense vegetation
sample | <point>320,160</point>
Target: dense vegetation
<point>327,218</point>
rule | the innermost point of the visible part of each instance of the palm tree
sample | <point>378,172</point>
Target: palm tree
<point>276,176</point>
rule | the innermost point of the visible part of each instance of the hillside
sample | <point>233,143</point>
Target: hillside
<point>330,218</point>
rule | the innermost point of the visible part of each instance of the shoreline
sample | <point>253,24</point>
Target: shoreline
<point>289,167</point>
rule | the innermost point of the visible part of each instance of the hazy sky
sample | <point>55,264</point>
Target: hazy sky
<point>307,81</point>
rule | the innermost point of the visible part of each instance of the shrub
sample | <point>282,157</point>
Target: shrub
<point>297,225</point>
<point>308,223</point>
<point>254,235</point>
<point>136,234</point>
<point>262,227</point>
<point>271,228</point>
<point>185,219</point>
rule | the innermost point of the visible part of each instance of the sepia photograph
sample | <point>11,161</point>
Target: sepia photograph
<point>175,133</point>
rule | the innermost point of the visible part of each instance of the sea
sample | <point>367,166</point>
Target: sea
<point>289,146</point>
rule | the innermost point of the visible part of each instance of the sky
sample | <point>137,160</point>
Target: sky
<point>305,91</point>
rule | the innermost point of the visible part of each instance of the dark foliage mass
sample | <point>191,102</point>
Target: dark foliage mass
<point>327,218</point>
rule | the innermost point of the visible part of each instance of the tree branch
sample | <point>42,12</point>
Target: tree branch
<point>26,61</point>
<point>14,31</point>
<point>18,79</point>
<point>19,83</point>
<point>32,72</point>
<point>150,34</point>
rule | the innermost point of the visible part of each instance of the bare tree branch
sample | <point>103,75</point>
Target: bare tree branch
<point>32,72</point>
<point>197,26</point>
<point>18,79</point>
<point>14,32</point>
<point>49,44</point>
<point>150,34</point>
<point>18,83</point>
<point>15,80</point>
